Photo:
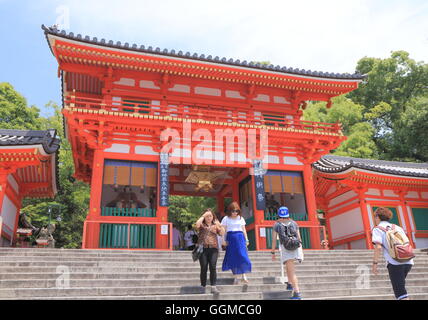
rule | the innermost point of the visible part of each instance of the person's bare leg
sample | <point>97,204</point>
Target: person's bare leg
<point>291,274</point>
<point>236,281</point>
<point>244,278</point>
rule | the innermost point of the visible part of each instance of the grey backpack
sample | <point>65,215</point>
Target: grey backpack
<point>288,236</point>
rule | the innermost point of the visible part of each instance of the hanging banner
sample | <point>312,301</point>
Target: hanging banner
<point>260,185</point>
<point>164,180</point>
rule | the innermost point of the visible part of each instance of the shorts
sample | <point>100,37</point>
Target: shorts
<point>291,254</point>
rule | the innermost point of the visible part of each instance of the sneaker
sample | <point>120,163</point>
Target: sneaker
<point>214,290</point>
<point>296,296</point>
<point>289,286</point>
<point>203,290</point>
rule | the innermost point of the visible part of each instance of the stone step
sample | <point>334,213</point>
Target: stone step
<point>347,294</point>
<point>152,265</point>
<point>177,262</point>
<point>178,258</point>
<point>301,268</point>
<point>181,258</point>
<point>23,293</point>
<point>414,296</point>
<point>208,296</point>
<point>307,282</point>
<point>313,276</point>
<point>142,253</point>
<point>386,289</point>
<point>164,275</point>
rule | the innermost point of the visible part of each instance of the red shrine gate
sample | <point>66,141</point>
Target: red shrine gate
<point>213,123</point>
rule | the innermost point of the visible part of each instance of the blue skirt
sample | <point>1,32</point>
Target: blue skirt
<point>236,257</point>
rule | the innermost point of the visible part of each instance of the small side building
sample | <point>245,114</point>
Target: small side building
<point>28,168</point>
<point>349,190</point>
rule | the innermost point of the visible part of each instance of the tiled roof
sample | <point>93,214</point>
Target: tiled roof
<point>336,164</point>
<point>30,137</point>
<point>200,57</point>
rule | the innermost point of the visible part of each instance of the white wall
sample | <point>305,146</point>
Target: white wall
<point>341,247</point>
<point>13,183</point>
<point>8,213</point>
<point>346,224</point>
<point>118,148</point>
<point>343,197</point>
<point>421,243</point>
<point>359,244</point>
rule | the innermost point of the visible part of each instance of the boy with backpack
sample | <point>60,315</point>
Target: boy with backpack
<point>397,251</point>
<point>291,247</point>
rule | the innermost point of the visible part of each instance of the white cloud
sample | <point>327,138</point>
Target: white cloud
<point>329,35</point>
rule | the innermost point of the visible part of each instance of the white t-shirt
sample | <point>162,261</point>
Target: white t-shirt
<point>379,236</point>
<point>188,238</point>
<point>233,224</point>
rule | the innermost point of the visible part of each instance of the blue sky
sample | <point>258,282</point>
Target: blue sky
<point>329,35</point>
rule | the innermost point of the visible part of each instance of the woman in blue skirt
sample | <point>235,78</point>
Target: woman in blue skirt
<point>236,242</point>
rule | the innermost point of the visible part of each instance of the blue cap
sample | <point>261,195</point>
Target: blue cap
<point>283,212</point>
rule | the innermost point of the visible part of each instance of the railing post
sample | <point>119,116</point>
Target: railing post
<point>129,235</point>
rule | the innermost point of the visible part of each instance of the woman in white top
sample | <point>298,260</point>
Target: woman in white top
<point>236,242</point>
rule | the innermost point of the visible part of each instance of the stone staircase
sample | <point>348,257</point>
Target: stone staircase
<point>164,275</point>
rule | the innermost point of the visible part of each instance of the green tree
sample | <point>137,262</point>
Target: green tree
<point>73,196</point>
<point>185,210</point>
<point>391,86</point>
<point>15,112</point>
<point>359,133</point>
<point>411,132</point>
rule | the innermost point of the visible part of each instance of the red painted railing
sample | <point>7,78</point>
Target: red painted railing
<point>207,112</point>
<point>320,229</point>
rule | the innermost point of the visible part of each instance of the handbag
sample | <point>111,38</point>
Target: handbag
<point>196,253</point>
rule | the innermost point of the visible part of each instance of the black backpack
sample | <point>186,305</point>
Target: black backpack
<point>195,239</point>
<point>288,236</point>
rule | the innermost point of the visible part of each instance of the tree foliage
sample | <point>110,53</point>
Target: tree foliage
<point>72,200</point>
<point>393,85</point>
<point>184,211</point>
<point>359,133</point>
<point>14,111</point>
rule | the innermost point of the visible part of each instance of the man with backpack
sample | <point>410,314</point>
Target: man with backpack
<point>291,247</point>
<point>190,238</point>
<point>397,251</point>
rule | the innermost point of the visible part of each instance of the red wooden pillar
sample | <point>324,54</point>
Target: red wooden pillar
<point>329,233</point>
<point>406,213</point>
<point>235,191</point>
<point>365,216</point>
<point>3,186</point>
<point>311,206</point>
<point>220,204</point>
<point>93,229</point>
